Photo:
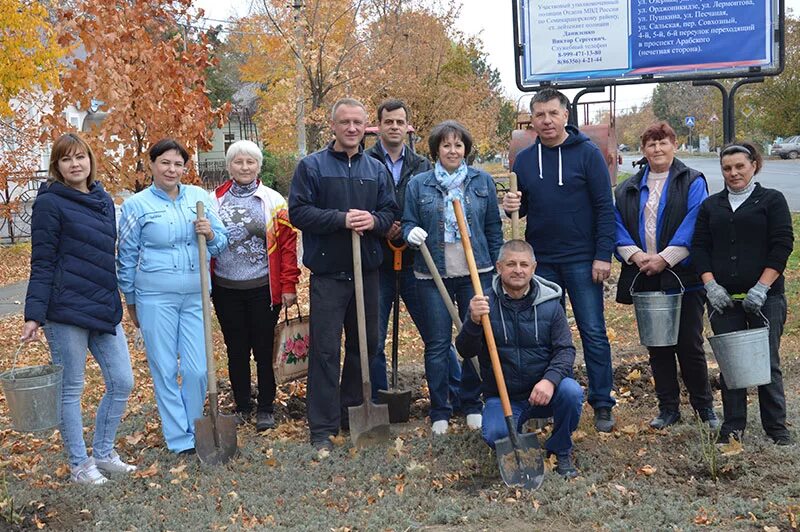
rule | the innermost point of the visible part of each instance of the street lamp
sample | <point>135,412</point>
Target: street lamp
<point>301,113</point>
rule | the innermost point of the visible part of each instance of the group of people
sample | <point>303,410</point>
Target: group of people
<point>736,241</point>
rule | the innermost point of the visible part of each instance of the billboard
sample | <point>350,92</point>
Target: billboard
<point>580,43</point>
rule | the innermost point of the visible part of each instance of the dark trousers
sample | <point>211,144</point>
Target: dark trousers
<point>771,399</point>
<point>333,306</point>
<point>248,323</point>
<point>691,358</point>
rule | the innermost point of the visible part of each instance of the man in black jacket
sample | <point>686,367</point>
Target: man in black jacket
<point>403,164</point>
<point>534,344</point>
<point>334,191</point>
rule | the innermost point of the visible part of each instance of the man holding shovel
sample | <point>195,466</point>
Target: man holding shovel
<point>335,191</point>
<point>536,353</point>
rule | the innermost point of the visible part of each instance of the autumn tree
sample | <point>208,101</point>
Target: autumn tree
<point>29,54</point>
<point>147,66</point>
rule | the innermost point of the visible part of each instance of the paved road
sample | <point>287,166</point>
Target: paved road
<point>779,174</point>
<point>12,298</point>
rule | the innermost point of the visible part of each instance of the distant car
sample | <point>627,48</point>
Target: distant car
<point>787,148</point>
<point>623,147</point>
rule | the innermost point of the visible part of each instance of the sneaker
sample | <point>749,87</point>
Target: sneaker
<point>440,427</point>
<point>603,420</point>
<point>474,421</point>
<point>564,466</point>
<point>87,473</point>
<point>707,415</point>
<point>665,418</point>
<point>114,464</point>
<point>264,421</point>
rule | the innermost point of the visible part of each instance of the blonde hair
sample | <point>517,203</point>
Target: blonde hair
<point>66,145</point>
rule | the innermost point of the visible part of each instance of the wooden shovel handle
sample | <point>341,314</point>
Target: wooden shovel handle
<point>204,290</point>
<point>360,312</point>
<point>512,187</point>
<point>487,325</point>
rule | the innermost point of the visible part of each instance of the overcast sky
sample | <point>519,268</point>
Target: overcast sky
<point>491,19</point>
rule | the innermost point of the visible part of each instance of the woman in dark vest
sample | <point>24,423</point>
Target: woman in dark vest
<point>741,244</point>
<point>656,210</point>
<point>73,295</point>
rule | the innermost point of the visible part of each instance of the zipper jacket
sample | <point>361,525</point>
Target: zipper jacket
<point>157,244</point>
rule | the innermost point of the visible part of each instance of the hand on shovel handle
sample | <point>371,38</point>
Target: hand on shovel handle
<point>512,187</point>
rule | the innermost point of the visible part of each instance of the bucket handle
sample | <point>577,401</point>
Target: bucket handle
<point>12,373</point>
<point>737,300</point>
<point>665,269</point>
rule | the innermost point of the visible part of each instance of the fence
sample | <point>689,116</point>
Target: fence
<point>16,206</point>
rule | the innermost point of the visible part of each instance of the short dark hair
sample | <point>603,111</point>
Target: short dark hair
<point>165,145</point>
<point>390,105</point>
<point>658,131</point>
<point>443,130</point>
<point>746,147</point>
<point>516,246</point>
<point>545,95</point>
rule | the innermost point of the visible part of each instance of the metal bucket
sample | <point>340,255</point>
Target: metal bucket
<point>658,315</point>
<point>743,357</point>
<point>33,395</point>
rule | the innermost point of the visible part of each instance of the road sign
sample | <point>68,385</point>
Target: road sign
<point>689,121</point>
<point>713,118</point>
<point>747,111</point>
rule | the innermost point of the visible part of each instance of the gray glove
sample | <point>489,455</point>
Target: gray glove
<point>755,298</point>
<point>717,296</point>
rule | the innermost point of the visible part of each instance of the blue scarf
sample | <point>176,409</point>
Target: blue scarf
<point>454,185</point>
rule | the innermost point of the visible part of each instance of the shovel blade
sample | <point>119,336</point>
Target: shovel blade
<point>369,424</point>
<point>398,402</point>
<point>215,450</point>
<point>523,466</point>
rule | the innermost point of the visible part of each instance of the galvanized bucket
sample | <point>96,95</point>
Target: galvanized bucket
<point>658,315</point>
<point>743,356</point>
<point>33,395</point>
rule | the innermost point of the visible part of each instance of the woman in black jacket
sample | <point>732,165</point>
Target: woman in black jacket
<point>73,294</point>
<point>742,240</point>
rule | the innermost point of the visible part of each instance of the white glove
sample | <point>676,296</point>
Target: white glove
<point>417,236</point>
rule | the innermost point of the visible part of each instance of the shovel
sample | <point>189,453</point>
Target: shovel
<point>398,401</point>
<point>369,423</point>
<point>512,187</point>
<point>518,455</point>
<point>215,434</point>
<point>451,308</point>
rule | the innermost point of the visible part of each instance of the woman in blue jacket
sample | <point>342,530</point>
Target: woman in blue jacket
<point>159,275</point>
<point>428,217</point>
<point>73,295</point>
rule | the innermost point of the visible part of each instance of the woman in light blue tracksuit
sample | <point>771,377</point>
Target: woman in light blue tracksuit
<point>159,275</point>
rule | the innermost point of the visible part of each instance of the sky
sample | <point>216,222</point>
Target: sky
<point>492,21</point>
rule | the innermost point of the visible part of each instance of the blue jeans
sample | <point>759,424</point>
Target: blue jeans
<point>586,296</point>
<point>565,408</point>
<point>437,333</point>
<point>408,292</point>
<point>68,346</point>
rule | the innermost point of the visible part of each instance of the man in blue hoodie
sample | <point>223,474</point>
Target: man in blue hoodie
<point>565,192</point>
<point>535,349</point>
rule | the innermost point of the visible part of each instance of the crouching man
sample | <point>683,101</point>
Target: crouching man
<point>535,347</point>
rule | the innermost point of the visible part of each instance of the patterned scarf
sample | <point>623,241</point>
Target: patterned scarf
<point>454,185</point>
<point>243,191</point>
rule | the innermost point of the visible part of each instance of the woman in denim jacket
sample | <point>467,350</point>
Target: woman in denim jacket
<point>428,217</point>
<point>73,294</point>
<point>159,275</point>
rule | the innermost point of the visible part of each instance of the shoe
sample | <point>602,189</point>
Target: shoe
<point>725,438</point>
<point>189,451</point>
<point>114,464</point>
<point>439,428</point>
<point>603,420</point>
<point>241,417</point>
<point>88,474</point>
<point>320,445</point>
<point>264,421</point>
<point>564,466</point>
<point>666,418</point>
<point>707,415</point>
<point>474,421</point>
<point>783,439</point>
